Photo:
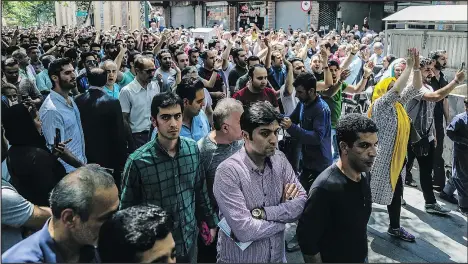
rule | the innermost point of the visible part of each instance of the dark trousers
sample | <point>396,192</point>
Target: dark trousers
<point>439,163</point>
<point>307,178</point>
<point>140,138</point>
<point>206,253</point>
<point>191,256</point>
<point>394,209</point>
<point>425,172</point>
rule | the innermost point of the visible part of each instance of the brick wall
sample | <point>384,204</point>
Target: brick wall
<point>314,14</point>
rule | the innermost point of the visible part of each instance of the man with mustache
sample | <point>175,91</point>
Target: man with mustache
<point>421,111</point>
<point>59,111</point>
<point>333,226</point>
<point>166,172</point>
<point>168,75</point>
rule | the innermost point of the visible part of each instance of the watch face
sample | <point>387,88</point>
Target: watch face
<point>256,213</point>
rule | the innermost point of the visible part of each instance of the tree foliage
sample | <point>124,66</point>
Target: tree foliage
<point>28,13</point>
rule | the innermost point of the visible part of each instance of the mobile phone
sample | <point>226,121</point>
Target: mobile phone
<point>462,66</point>
<point>58,137</point>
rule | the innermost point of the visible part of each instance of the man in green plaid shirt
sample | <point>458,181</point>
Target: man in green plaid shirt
<point>166,172</point>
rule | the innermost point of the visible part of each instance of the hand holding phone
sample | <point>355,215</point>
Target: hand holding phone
<point>462,67</point>
<point>58,137</point>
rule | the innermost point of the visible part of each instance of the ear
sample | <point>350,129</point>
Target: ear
<point>55,78</point>
<point>68,218</point>
<point>245,136</point>
<point>344,147</point>
<point>186,102</point>
<point>154,121</point>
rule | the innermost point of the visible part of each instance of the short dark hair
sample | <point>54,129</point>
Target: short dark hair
<point>235,52</point>
<point>73,54</point>
<point>46,60</point>
<point>131,231</point>
<point>199,39</point>
<point>436,54</point>
<point>161,52</point>
<point>97,77</point>
<point>55,67</point>
<point>193,50</point>
<point>252,69</point>
<point>31,48</point>
<point>294,59</point>
<point>165,100</point>
<point>188,88</point>
<point>306,80</point>
<point>132,55</point>
<point>333,62</point>
<point>258,114</point>
<point>253,58</point>
<point>12,49</point>
<point>350,125</point>
<point>10,62</point>
<point>95,45</point>
<point>87,54</point>
<point>212,43</point>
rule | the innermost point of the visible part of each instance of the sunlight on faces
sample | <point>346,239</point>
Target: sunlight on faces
<point>427,73</point>
<point>260,78</point>
<point>111,69</point>
<point>399,68</point>
<point>168,122</point>
<point>232,127</point>
<point>335,72</point>
<point>263,140</point>
<point>182,61</point>
<point>316,64</point>
<point>298,68</point>
<point>362,153</point>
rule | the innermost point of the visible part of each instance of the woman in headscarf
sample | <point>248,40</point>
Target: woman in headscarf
<point>388,112</point>
<point>387,60</point>
<point>34,170</point>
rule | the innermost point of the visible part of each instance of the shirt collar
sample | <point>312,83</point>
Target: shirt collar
<point>162,150</point>
<point>249,162</point>
<point>56,96</point>
<point>136,87</point>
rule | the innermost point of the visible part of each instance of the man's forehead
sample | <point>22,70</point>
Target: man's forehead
<point>271,127</point>
<point>171,110</point>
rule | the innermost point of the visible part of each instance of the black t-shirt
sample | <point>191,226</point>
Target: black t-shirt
<point>235,74</point>
<point>218,87</point>
<point>439,107</point>
<point>335,218</point>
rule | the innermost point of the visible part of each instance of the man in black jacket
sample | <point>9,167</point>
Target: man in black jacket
<point>103,128</point>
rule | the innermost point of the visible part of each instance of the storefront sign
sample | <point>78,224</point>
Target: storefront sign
<point>252,12</point>
<point>218,15</point>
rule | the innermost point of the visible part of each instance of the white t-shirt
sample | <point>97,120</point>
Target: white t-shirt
<point>289,102</point>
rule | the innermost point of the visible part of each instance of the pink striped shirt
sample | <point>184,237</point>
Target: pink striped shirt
<point>240,187</point>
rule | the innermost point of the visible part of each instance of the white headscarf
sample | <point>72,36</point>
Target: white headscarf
<point>390,72</point>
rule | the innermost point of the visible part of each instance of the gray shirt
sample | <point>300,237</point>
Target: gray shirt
<point>168,80</point>
<point>211,155</point>
<point>421,113</point>
<point>15,212</point>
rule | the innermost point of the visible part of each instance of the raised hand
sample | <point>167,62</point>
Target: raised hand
<point>410,58</point>
<point>368,67</point>
<point>345,74</point>
<point>355,48</point>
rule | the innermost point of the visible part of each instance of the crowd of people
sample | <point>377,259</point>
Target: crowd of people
<point>157,145</point>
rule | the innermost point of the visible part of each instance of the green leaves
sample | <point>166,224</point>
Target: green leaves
<point>27,14</point>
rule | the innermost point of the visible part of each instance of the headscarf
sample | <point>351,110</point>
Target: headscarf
<point>390,72</point>
<point>403,130</point>
<point>20,129</point>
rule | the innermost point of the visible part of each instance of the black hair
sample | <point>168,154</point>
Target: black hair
<point>365,26</point>
<point>253,58</point>
<point>294,59</point>
<point>73,54</point>
<point>109,45</point>
<point>252,69</point>
<point>31,48</point>
<point>212,43</point>
<point>258,114</point>
<point>199,39</point>
<point>333,62</point>
<point>177,53</point>
<point>306,80</point>
<point>132,55</point>
<point>97,77</point>
<point>25,46</point>
<point>188,88</point>
<point>350,125</point>
<point>55,67</point>
<point>235,52</point>
<point>46,60</point>
<point>95,45</point>
<point>161,52</point>
<point>9,62</point>
<point>193,50</point>
<point>87,54</point>
<point>165,100</point>
<point>12,49</point>
<point>390,58</point>
<point>436,54</point>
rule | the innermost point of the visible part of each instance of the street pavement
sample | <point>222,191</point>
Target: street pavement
<point>438,238</point>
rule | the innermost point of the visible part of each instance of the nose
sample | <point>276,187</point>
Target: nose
<point>373,152</point>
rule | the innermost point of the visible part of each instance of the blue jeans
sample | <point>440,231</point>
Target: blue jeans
<point>335,147</point>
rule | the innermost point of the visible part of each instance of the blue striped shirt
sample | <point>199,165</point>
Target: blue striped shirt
<point>56,113</point>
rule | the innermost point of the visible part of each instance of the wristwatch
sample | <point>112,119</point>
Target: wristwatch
<point>257,213</point>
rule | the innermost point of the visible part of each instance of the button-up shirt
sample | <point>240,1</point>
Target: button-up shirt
<point>151,176</point>
<point>199,128</point>
<point>136,100</point>
<point>114,93</point>
<point>42,248</point>
<point>54,113</point>
<point>29,73</point>
<point>240,187</point>
<point>312,126</point>
<point>43,82</point>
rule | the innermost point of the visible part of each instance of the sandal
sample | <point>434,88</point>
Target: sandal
<point>401,233</point>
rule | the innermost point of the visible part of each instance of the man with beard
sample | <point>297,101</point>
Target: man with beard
<point>257,192</point>
<point>333,226</point>
<point>59,111</point>
<point>89,61</point>
<point>168,75</point>
<point>131,43</point>
<point>216,147</point>
<point>310,123</point>
<point>81,202</point>
<point>26,89</point>
<point>218,91</point>
<point>257,90</point>
<point>33,54</point>
<point>441,110</point>
<point>239,57</point>
<point>101,118</point>
<point>155,166</point>
<point>194,57</point>
<point>135,99</point>
<point>195,124</point>
<point>421,111</point>
<point>244,79</point>
<point>26,70</point>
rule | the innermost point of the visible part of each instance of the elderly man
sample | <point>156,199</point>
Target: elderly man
<point>81,202</point>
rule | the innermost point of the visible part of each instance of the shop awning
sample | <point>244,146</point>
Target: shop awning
<point>451,14</point>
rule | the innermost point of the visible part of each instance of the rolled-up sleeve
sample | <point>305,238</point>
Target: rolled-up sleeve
<point>232,206</point>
